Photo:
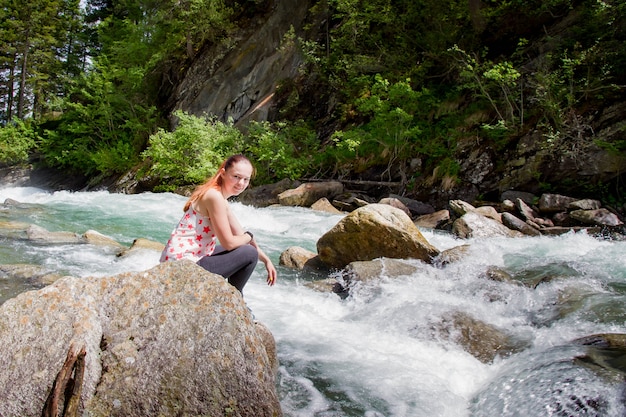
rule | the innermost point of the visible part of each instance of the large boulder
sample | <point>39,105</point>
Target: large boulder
<point>173,340</point>
<point>374,231</point>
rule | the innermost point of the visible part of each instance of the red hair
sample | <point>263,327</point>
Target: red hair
<point>216,180</point>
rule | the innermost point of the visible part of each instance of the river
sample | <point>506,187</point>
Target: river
<point>374,353</point>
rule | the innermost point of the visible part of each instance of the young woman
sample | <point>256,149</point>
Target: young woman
<point>208,217</point>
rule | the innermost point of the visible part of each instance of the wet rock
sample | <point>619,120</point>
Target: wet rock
<point>96,238</point>
<point>483,341</point>
<point>14,230</point>
<point>601,217</point>
<point>525,210</point>
<point>552,203</point>
<point>451,255</point>
<point>559,230</point>
<point>307,194</point>
<point>460,207</point>
<point>35,275</point>
<point>142,244</point>
<point>563,219</point>
<point>394,202</point>
<point>366,271</point>
<point>324,205</point>
<point>374,231</point>
<point>173,340</point>
<point>606,354</point>
<point>328,285</point>
<point>349,201</point>
<point>586,204</point>
<point>417,208</point>
<point>40,235</point>
<point>512,222</point>
<point>489,211</point>
<point>301,259</point>
<point>266,195</point>
<point>507,206</point>
<point>475,225</point>
<point>500,275</point>
<point>433,220</point>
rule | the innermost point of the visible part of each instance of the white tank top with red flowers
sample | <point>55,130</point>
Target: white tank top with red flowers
<point>192,238</point>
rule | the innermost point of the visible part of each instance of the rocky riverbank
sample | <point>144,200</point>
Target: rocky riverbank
<point>382,237</point>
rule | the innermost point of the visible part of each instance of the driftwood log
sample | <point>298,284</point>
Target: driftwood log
<point>67,386</point>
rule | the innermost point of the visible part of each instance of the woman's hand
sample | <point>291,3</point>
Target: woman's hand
<point>271,273</point>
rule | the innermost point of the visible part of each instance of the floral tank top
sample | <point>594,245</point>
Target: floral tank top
<point>192,238</point>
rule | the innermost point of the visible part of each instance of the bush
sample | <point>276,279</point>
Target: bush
<point>281,150</point>
<point>17,139</point>
<point>193,151</point>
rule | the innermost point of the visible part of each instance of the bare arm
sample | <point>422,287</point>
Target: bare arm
<point>271,270</point>
<point>224,224</point>
<point>229,231</point>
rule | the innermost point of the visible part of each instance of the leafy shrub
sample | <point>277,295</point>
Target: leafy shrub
<point>17,139</point>
<point>193,151</point>
<point>281,150</point>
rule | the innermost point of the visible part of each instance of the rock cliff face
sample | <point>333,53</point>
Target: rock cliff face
<point>238,80</point>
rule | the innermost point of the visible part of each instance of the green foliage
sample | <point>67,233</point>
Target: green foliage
<point>281,150</point>
<point>17,139</point>
<point>101,130</point>
<point>193,151</point>
<point>497,82</point>
<point>397,119</point>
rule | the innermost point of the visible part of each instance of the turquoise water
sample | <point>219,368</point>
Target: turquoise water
<point>375,354</point>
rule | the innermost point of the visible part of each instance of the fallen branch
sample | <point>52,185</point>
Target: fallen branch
<point>68,385</point>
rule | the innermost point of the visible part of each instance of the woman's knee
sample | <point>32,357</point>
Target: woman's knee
<point>249,253</point>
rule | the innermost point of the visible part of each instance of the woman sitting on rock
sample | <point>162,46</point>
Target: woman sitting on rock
<point>208,217</point>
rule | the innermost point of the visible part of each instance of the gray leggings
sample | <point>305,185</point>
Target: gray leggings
<point>236,265</point>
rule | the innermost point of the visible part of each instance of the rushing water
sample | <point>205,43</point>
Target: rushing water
<point>374,353</point>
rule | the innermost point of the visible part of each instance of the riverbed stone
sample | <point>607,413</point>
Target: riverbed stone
<point>94,237</point>
<point>460,207</point>
<point>395,202</point>
<point>301,259</point>
<point>482,340</point>
<point>433,220</point>
<point>140,244</point>
<point>40,235</point>
<point>417,208</point>
<point>451,255</point>
<point>367,271</point>
<point>474,225</point>
<point>374,231</point>
<point>585,204</point>
<point>308,193</point>
<point>552,203</point>
<point>515,223</point>
<point>173,340</point>
<point>527,212</point>
<point>324,205</point>
<point>600,217</point>
<point>489,211</point>
<point>267,194</point>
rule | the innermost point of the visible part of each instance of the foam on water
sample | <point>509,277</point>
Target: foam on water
<point>375,353</point>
